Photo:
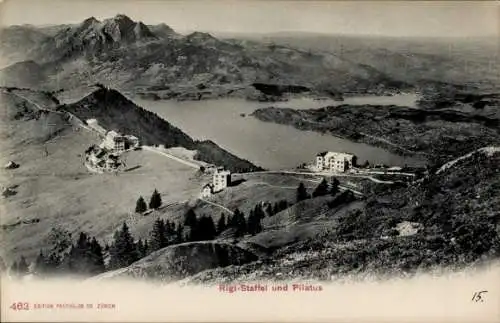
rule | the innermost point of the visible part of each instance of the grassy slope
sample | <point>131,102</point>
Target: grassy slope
<point>458,208</point>
<point>60,191</point>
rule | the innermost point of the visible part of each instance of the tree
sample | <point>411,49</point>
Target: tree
<point>190,218</point>
<point>97,257</point>
<point>158,236</point>
<point>239,223</point>
<point>85,257</point>
<point>283,205</point>
<point>140,248</point>
<point>259,212</point>
<point>221,224</point>
<point>321,189</point>
<point>253,223</point>
<point>140,205</point>
<point>179,234</point>
<point>205,229</point>
<point>155,201</point>
<point>22,266</point>
<point>302,193</point>
<point>334,186</point>
<point>122,251</point>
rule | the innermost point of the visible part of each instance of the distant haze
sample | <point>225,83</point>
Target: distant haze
<point>405,18</point>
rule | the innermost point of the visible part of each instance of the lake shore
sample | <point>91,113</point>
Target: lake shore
<point>401,130</point>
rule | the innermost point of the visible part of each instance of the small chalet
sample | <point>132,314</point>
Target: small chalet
<point>207,190</point>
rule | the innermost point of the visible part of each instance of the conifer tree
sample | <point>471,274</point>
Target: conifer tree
<point>205,229</point>
<point>190,218</point>
<point>140,205</point>
<point>302,193</point>
<point>158,236</point>
<point>146,251</point>
<point>123,251</point>
<point>140,248</point>
<point>321,189</point>
<point>155,201</point>
<point>97,257</point>
<point>283,205</point>
<point>179,234</point>
<point>239,223</point>
<point>334,186</point>
<point>221,224</point>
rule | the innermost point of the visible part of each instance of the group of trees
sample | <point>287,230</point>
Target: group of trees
<point>322,189</point>
<point>85,257</point>
<point>154,203</point>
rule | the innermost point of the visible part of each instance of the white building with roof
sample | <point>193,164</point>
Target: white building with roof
<point>334,161</point>
<point>114,141</point>
<point>117,142</point>
<point>221,179</point>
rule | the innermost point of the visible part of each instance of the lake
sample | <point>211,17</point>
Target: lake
<point>266,144</point>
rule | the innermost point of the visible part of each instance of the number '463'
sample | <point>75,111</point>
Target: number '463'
<point>20,306</point>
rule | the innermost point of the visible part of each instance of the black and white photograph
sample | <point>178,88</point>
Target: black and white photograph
<point>247,147</point>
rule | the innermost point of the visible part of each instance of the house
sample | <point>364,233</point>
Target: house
<point>131,142</point>
<point>207,190</point>
<point>112,162</point>
<point>334,161</point>
<point>95,155</point>
<point>117,142</point>
<point>114,141</point>
<point>221,179</point>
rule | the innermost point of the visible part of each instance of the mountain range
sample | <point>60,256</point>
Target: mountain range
<point>129,55</point>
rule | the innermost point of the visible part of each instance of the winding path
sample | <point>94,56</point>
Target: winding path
<point>180,160</point>
<point>217,205</point>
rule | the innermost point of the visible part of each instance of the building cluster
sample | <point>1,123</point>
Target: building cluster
<point>101,159</point>
<point>221,179</point>
<point>334,161</point>
<point>118,143</point>
<point>105,157</point>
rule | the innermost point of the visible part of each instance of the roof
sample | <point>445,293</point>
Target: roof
<point>221,169</point>
<point>132,137</point>
<point>341,154</point>
<point>113,134</point>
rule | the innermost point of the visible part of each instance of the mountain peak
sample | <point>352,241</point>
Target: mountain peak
<point>122,17</point>
<point>122,27</point>
<point>200,36</point>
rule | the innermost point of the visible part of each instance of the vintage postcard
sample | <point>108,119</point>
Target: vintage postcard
<point>249,161</point>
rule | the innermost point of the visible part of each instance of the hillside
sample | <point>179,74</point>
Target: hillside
<point>114,111</point>
<point>416,60</point>
<point>183,260</point>
<point>125,54</point>
<point>456,215</point>
<point>54,190</point>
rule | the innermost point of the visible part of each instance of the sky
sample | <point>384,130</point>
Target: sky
<point>390,18</point>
